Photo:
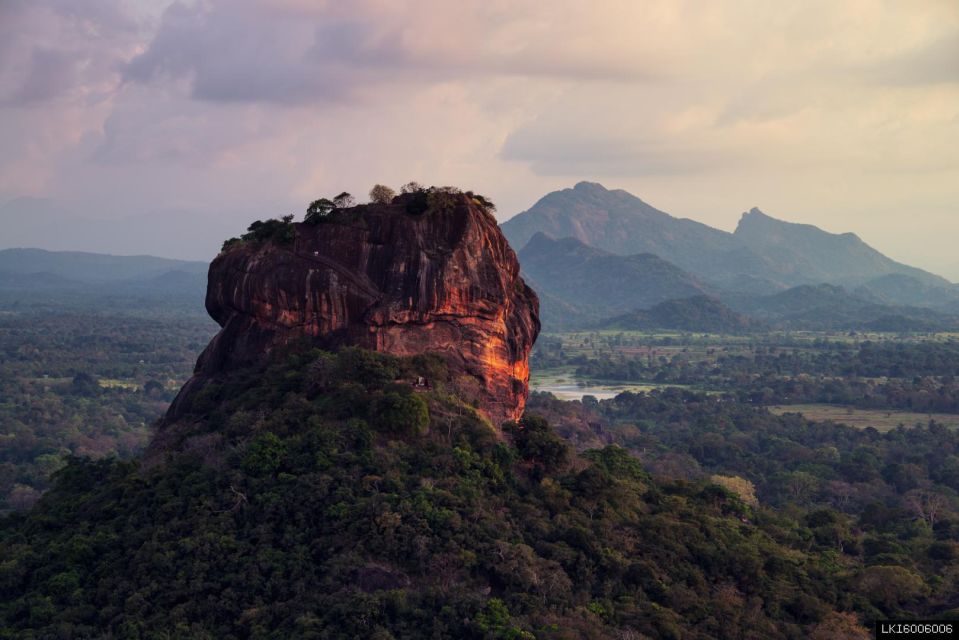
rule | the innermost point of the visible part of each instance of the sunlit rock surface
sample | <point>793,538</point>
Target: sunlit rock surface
<point>381,278</point>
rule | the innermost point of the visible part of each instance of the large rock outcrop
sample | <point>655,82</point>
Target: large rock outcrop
<point>381,278</point>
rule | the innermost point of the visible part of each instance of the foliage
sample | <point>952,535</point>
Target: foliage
<point>870,499</point>
<point>318,210</point>
<point>304,522</point>
<point>906,373</point>
<point>742,487</point>
<point>344,200</point>
<point>88,383</point>
<point>401,411</point>
<point>481,201</point>
<point>381,194</point>
<point>280,231</point>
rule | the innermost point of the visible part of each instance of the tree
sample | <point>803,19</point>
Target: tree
<point>839,626</point>
<point>318,210</point>
<point>344,201</point>
<point>401,413</point>
<point>927,505</point>
<point>412,187</point>
<point>740,486</point>
<point>381,194</point>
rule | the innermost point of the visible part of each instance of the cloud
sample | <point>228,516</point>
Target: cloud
<point>843,114</point>
<point>936,62</point>
<point>239,51</point>
<point>60,51</point>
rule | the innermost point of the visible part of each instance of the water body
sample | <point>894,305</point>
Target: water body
<point>563,384</point>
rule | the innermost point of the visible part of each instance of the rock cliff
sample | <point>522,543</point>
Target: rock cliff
<point>379,277</point>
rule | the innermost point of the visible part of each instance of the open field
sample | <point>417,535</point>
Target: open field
<point>112,383</point>
<point>881,420</point>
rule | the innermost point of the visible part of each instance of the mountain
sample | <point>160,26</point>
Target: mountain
<point>385,277</point>
<point>76,266</point>
<point>819,256</point>
<point>578,283</point>
<point>699,313</point>
<point>763,256</point>
<point>620,223</point>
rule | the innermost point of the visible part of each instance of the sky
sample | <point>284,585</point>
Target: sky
<point>159,127</point>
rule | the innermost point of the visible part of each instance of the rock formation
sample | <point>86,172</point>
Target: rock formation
<point>379,277</point>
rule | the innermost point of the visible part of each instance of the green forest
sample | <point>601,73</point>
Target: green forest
<point>85,382</point>
<point>327,496</point>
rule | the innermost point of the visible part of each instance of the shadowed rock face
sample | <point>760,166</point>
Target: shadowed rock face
<point>387,280</point>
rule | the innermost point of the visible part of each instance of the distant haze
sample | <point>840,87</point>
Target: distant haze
<point>163,128</point>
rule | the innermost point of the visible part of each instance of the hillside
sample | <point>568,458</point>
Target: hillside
<point>908,290</point>
<point>579,283</point>
<point>323,497</point>
<point>699,313</point>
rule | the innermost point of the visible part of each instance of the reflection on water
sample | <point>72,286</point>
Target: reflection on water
<point>563,384</point>
<point>572,391</point>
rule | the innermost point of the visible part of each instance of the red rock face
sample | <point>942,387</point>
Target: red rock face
<point>445,282</point>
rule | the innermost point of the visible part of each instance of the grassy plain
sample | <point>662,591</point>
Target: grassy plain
<point>881,420</point>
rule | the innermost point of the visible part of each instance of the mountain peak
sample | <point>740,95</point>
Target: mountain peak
<point>757,216</point>
<point>585,185</point>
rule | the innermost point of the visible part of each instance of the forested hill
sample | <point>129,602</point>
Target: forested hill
<point>323,496</point>
<point>593,284</point>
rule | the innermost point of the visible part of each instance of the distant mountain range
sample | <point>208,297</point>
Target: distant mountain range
<point>598,258</point>
<point>32,277</point>
<point>763,254</point>
<point>594,253</point>
<point>91,268</point>
<point>58,226</point>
